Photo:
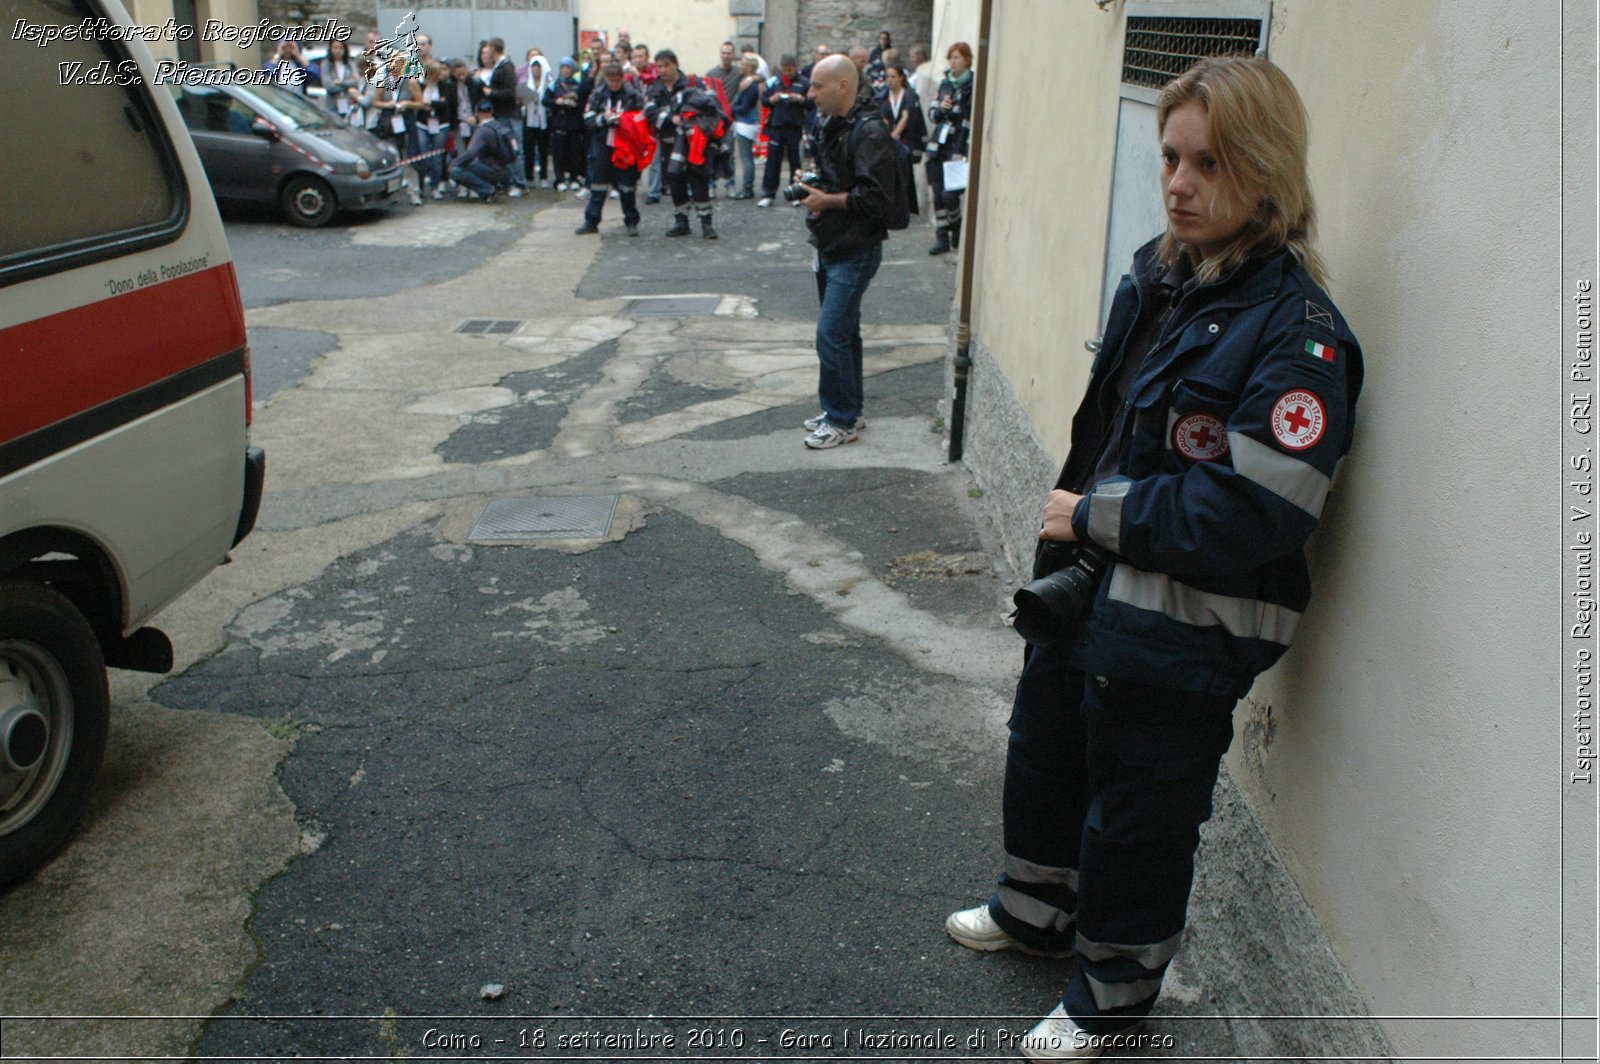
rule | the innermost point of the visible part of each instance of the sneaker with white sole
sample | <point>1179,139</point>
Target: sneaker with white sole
<point>516,192</point>
<point>812,424</point>
<point>764,201</point>
<point>828,435</point>
<point>977,929</point>
<point>1058,1037</point>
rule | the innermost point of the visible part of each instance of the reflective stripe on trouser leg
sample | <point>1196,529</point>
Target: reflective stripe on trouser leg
<point>1043,802</point>
<point>597,202</point>
<point>629,200</point>
<point>1152,762</point>
<point>1043,898</point>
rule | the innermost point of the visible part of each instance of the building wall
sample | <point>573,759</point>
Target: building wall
<point>843,24</point>
<point>227,12</point>
<point>1387,756</point>
<point>694,29</point>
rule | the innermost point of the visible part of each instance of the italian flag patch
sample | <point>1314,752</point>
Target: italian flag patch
<point>1322,351</point>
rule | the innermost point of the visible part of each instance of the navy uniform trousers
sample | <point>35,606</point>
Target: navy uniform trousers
<point>1107,783</point>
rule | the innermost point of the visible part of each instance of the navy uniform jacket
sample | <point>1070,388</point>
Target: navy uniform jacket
<point>1238,420</point>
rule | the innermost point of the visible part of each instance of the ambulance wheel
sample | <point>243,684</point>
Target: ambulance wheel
<point>308,201</point>
<point>54,709</point>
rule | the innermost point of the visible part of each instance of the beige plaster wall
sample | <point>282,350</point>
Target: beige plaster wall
<point>694,29</point>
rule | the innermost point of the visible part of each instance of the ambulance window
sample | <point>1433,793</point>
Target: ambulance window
<point>111,175</point>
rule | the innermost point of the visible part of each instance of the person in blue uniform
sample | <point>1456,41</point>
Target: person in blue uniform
<point>602,115</point>
<point>1218,408</point>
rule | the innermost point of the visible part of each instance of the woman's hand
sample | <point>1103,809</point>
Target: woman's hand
<point>1058,516</point>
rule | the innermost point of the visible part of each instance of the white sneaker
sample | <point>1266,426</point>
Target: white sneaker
<point>515,191</point>
<point>812,424</point>
<point>830,436</point>
<point>615,194</point>
<point>976,929</point>
<point>438,193</point>
<point>764,201</point>
<point>544,182</point>
<point>561,186</point>
<point>1058,1037</point>
<point>582,193</point>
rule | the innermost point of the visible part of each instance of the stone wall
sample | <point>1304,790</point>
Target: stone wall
<point>843,24</point>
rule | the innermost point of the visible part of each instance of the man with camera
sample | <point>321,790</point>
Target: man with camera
<point>849,203</point>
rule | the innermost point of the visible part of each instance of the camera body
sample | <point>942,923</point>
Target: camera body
<point>1054,606</point>
<point>795,193</point>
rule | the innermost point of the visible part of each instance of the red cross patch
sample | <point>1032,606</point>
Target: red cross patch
<point>1299,419</point>
<point>1200,438</point>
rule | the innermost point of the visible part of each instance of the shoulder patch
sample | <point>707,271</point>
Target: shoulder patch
<point>1321,352</point>
<point>1299,419</point>
<point>1317,314</point>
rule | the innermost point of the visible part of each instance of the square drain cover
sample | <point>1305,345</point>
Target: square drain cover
<point>673,306</point>
<point>489,327</point>
<point>545,517</point>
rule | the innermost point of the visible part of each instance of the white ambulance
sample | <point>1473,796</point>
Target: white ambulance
<point>126,472</point>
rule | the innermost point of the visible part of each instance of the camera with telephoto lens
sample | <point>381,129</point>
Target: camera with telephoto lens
<point>1053,607</point>
<point>795,193</point>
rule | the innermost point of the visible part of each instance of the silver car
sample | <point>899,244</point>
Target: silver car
<point>265,144</point>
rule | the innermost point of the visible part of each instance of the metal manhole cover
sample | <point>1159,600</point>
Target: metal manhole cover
<point>546,517</point>
<point>673,306</point>
<point>489,327</point>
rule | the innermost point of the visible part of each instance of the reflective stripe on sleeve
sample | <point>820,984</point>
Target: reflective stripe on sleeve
<point>1105,514</point>
<point>1295,482</point>
<point>1241,617</point>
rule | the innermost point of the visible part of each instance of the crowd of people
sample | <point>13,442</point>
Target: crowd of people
<point>487,126</point>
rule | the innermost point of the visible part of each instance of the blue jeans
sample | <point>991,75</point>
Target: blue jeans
<point>1107,783</point>
<point>842,279</point>
<point>653,175</point>
<point>747,165</point>
<point>481,177</point>
<point>431,169</point>
<point>512,129</point>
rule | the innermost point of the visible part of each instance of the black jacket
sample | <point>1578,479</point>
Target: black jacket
<point>502,89</point>
<point>856,156</point>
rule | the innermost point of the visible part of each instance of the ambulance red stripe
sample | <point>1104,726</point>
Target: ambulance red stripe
<point>62,365</point>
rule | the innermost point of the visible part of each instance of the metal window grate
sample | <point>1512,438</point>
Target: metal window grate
<point>489,327</point>
<point>1158,49</point>
<point>545,517</point>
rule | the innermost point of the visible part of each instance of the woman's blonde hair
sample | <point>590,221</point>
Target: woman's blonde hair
<point>1257,128</point>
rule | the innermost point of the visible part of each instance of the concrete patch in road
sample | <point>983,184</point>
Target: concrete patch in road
<point>186,820</point>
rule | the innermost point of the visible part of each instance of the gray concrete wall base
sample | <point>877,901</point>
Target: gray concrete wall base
<point>1253,947</point>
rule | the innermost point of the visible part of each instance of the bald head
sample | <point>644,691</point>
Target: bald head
<point>860,57</point>
<point>833,84</point>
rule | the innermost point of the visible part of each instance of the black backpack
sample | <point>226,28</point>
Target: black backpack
<point>899,215</point>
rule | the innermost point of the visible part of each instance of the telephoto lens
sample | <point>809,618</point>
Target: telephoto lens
<point>1054,607</point>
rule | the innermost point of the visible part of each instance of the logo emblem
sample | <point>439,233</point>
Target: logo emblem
<point>1299,419</point>
<point>1200,438</point>
<point>1317,314</point>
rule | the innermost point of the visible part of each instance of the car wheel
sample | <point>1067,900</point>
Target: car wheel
<point>54,710</point>
<point>308,201</point>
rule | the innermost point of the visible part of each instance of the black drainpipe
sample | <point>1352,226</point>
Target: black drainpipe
<point>963,359</point>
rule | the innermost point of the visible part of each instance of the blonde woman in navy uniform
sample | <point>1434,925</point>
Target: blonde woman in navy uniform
<point>1218,408</point>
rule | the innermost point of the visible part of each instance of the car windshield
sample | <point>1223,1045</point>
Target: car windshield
<point>301,112</point>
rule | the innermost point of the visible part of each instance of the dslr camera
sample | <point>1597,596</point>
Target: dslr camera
<point>1054,606</point>
<point>795,193</point>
